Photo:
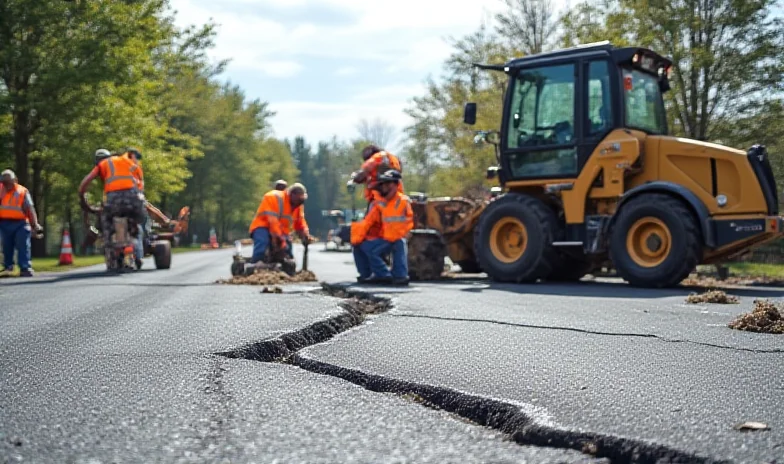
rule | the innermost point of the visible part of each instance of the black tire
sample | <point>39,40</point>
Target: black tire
<point>569,269</point>
<point>539,256</point>
<point>161,250</point>
<point>682,232</point>
<point>469,266</point>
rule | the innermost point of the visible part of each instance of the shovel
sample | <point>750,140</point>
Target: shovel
<point>305,255</point>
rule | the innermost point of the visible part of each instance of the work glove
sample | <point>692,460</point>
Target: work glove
<point>39,231</point>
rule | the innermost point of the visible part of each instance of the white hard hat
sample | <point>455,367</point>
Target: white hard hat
<point>8,173</point>
<point>102,152</point>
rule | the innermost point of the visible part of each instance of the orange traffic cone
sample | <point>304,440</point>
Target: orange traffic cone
<point>66,253</point>
<point>213,239</point>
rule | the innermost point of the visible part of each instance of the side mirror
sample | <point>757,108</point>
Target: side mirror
<point>469,114</point>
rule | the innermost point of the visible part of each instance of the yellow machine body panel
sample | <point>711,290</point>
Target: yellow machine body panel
<point>626,159</point>
<point>687,163</point>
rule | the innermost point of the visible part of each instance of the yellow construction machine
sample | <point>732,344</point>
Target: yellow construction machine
<point>442,227</point>
<point>591,176</point>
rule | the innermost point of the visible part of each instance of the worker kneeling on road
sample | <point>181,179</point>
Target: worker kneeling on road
<point>396,217</point>
<point>278,212</point>
<point>17,214</point>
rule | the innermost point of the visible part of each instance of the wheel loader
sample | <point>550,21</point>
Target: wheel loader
<point>591,176</point>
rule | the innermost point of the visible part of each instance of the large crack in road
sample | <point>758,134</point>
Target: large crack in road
<point>515,421</point>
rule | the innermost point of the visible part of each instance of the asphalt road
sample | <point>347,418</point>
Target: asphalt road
<point>97,368</point>
<point>128,369</point>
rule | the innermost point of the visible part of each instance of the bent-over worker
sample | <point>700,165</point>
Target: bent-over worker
<point>375,162</point>
<point>394,213</point>
<point>121,188</point>
<point>17,215</point>
<point>278,212</point>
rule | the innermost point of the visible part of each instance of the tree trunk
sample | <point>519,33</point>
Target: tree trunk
<point>21,120</point>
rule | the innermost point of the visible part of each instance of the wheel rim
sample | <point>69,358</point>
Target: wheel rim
<point>649,242</point>
<point>508,239</point>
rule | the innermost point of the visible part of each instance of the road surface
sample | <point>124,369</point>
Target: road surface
<point>152,367</point>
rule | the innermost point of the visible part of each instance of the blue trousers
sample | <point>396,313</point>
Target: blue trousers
<point>261,241</point>
<point>16,234</point>
<point>369,258</point>
<point>140,239</point>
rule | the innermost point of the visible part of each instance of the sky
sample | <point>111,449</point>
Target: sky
<point>324,64</point>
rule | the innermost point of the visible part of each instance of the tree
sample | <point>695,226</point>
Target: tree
<point>440,156</point>
<point>527,25</point>
<point>379,132</point>
<point>728,55</point>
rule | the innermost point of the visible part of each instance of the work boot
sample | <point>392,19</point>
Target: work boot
<point>378,280</point>
<point>362,280</point>
<point>26,273</point>
<point>400,281</point>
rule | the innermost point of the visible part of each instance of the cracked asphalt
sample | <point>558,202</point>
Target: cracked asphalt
<point>123,369</point>
<point>97,368</point>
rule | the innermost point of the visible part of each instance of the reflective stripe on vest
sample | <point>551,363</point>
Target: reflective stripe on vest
<point>112,177</point>
<point>278,214</point>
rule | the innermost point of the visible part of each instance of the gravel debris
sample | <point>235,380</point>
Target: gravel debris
<point>712,296</point>
<point>268,278</point>
<point>765,318</point>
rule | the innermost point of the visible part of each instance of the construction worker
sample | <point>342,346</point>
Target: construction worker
<point>376,161</point>
<point>278,212</point>
<point>17,214</point>
<point>395,215</point>
<point>121,187</point>
<point>281,185</point>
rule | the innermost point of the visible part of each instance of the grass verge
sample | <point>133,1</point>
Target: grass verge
<point>51,263</point>
<point>774,271</point>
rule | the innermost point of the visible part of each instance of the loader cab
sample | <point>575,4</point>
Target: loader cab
<point>559,106</point>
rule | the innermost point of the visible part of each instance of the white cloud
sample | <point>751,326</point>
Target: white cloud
<point>320,121</point>
<point>346,71</point>
<point>404,39</point>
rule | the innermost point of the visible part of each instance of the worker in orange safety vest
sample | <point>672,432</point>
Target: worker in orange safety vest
<point>395,215</point>
<point>17,215</point>
<point>122,181</point>
<point>376,161</point>
<point>279,212</point>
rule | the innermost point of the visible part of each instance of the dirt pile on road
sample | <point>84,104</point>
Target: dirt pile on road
<point>269,277</point>
<point>765,318</point>
<point>735,281</point>
<point>712,296</point>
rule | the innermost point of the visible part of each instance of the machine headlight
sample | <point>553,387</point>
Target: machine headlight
<point>721,200</point>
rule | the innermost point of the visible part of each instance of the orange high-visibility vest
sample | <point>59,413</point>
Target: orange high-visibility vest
<point>378,163</point>
<point>395,215</point>
<point>12,204</point>
<point>276,214</point>
<point>117,173</point>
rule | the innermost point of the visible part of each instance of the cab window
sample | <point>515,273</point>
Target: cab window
<point>600,115</point>
<point>643,101</point>
<point>541,122</point>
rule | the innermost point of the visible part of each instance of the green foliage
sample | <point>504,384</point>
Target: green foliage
<point>78,76</point>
